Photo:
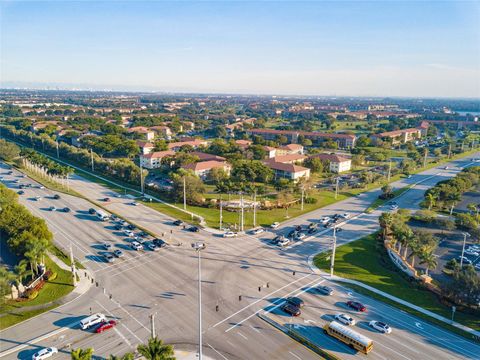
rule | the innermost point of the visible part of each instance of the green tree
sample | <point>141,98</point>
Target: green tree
<point>155,349</point>
<point>81,354</point>
<point>386,221</point>
<point>127,356</point>
<point>429,259</point>
<point>8,150</point>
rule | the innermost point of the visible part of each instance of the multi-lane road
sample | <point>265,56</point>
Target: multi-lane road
<point>165,283</point>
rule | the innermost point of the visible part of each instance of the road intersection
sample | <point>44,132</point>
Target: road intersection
<point>243,276</point>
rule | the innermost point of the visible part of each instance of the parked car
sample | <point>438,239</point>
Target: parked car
<point>152,246</point>
<point>300,236</point>
<point>358,306</point>
<point>118,253</point>
<point>345,319</point>
<point>136,246</point>
<point>193,229</point>
<point>91,211</point>
<point>56,196</point>
<point>465,260</point>
<point>37,198</point>
<point>325,219</point>
<point>106,245</point>
<point>66,209</point>
<point>312,230</point>
<point>128,233</point>
<point>178,222</point>
<point>143,234</point>
<point>134,203</point>
<point>291,309</point>
<point>118,227</point>
<point>257,231</point>
<point>229,234</point>
<point>159,243</point>
<point>275,225</point>
<point>345,215</point>
<point>109,257</point>
<point>105,326</point>
<point>327,290</point>
<point>292,233</point>
<point>472,252</point>
<point>394,207</point>
<point>131,227</point>
<point>380,326</point>
<point>52,208</point>
<point>294,300</point>
<point>284,242</point>
<point>21,192</point>
<point>45,353</point>
<point>107,199</point>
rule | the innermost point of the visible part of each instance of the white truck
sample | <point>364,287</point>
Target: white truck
<point>92,320</point>
<point>102,215</point>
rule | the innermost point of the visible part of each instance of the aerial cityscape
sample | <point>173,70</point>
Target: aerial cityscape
<point>240,180</point>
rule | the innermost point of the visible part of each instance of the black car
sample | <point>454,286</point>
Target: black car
<point>291,309</point>
<point>118,227</point>
<point>56,196</point>
<point>193,229</point>
<point>276,239</point>
<point>312,230</point>
<point>66,209</point>
<point>130,227</point>
<point>292,233</point>
<point>298,228</point>
<point>21,186</point>
<point>178,222</point>
<point>296,301</point>
<point>21,192</point>
<point>91,211</point>
<point>143,234</point>
<point>159,242</point>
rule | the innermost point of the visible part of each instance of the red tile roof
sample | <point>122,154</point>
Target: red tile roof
<point>159,154</point>
<point>206,165</point>
<point>286,167</point>
<point>331,157</point>
<point>287,158</point>
<point>305,133</point>
<point>207,157</point>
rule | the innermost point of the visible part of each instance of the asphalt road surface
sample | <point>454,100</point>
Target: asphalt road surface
<point>165,283</point>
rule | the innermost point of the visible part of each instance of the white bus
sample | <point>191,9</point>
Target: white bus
<point>92,320</point>
<point>349,336</point>
<point>102,215</point>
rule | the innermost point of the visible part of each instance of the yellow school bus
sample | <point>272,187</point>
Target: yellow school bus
<point>349,336</point>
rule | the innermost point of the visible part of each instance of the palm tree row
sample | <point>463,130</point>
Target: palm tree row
<point>415,244</point>
<point>155,349</point>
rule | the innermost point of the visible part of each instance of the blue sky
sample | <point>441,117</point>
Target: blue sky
<point>381,48</point>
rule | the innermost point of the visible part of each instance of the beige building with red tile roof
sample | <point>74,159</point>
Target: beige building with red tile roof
<point>203,168</point>
<point>154,159</point>
<point>337,163</point>
<point>288,171</point>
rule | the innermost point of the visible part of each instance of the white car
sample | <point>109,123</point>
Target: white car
<point>134,203</point>
<point>275,225</point>
<point>325,219</point>
<point>229,234</point>
<point>38,198</point>
<point>465,260</point>
<point>44,353</point>
<point>283,242</point>
<point>129,233</point>
<point>472,252</point>
<point>393,207</point>
<point>345,215</point>
<point>345,319</point>
<point>477,266</point>
<point>474,248</point>
<point>109,257</point>
<point>380,326</point>
<point>258,231</point>
<point>106,245</point>
<point>52,208</point>
<point>300,236</point>
<point>136,246</point>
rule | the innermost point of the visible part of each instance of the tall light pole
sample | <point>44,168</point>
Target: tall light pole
<point>389,170</point>
<point>142,186</point>
<point>303,195</point>
<point>332,260</point>
<point>242,212</point>
<point>465,234</point>
<point>199,246</point>
<point>58,154</point>
<point>184,194</point>
<point>255,209</point>
<point>91,157</point>
<point>221,212</point>
<point>336,187</point>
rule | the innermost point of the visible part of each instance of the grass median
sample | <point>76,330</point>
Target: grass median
<point>367,261</point>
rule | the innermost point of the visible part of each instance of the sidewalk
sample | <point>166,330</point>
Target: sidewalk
<point>393,298</point>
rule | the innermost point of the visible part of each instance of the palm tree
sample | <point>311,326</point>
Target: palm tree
<point>386,221</point>
<point>430,261</point>
<point>6,277</point>
<point>21,271</point>
<point>127,356</point>
<point>82,354</point>
<point>473,208</point>
<point>156,350</point>
<point>431,199</point>
<point>414,245</point>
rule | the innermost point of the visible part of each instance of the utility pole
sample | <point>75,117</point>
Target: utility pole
<point>449,150</point>
<point>91,157</point>
<point>451,209</point>
<point>332,260</point>
<point>255,209</point>
<point>58,154</point>
<point>184,194</point>
<point>221,213</point>
<point>425,158</point>
<point>242,212</point>
<point>389,170</point>
<point>303,194</point>
<point>142,186</point>
<point>152,325</point>
<point>336,188</point>
<point>199,246</point>
<point>72,261</point>
<point>465,234</point>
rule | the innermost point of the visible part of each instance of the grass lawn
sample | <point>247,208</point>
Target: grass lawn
<point>52,290</point>
<point>366,260</point>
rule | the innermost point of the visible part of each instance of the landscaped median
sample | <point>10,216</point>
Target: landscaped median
<point>366,260</point>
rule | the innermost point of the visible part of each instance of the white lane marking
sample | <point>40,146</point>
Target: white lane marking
<point>389,348</point>
<point>281,302</point>
<point>239,333</point>
<point>134,318</point>
<point>217,351</point>
<point>263,298</point>
<point>298,357</point>
<point>254,328</point>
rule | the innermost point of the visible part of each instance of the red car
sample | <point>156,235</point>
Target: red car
<point>105,326</point>
<point>357,306</point>
<point>291,309</point>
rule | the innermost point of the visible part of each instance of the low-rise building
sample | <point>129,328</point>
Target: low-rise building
<point>207,157</point>
<point>202,169</point>
<point>271,151</point>
<point>290,149</point>
<point>193,143</point>
<point>145,146</point>
<point>146,133</point>
<point>399,136</point>
<point>288,159</point>
<point>162,131</point>
<point>288,171</point>
<point>337,163</point>
<point>317,138</point>
<point>243,144</point>
<point>154,160</point>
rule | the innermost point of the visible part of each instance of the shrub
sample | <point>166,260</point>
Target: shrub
<point>310,200</point>
<point>427,216</point>
<point>32,294</point>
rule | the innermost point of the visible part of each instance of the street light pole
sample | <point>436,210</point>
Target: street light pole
<point>336,188</point>
<point>332,260</point>
<point>242,212</point>
<point>465,234</point>
<point>199,246</point>
<point>184,195</point>
<point>255,209</point>
<point>142,185</point>
<point>303,194</point>
<point>91,157</point>
<point>221,213</point>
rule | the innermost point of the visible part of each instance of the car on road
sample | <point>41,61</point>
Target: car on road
<point>159,243</point>
<point>275,225</point>
<point>134,203</point>
<point>326,290</point>
<point>294,300</point>
<point>193,229</point>
<point>345,319</point>
<point>152,246</point>
<point>37,198</point>
<point>393,207</point>
<point>358,306</point>
<point>178,222</point>
<point>66,209</point>
<point>105,326</point>
<point>92,211</point>
<point>21,192</point>
<point>109,257</point>
<point>380,326</point>
<point>56,197</point>
<point>106,245</point>
<point>135,245</point>
<point>129,233</point>
<point>45,353</point>
<point>300,236</point>
<point>257,231</point>
<point>91,320</point>
<point>118,253</point>
<point>291,309</point>
<point>52,208</point>
<point>229,234</point>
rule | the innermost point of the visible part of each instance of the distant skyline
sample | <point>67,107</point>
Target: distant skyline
<point>343,48</point>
